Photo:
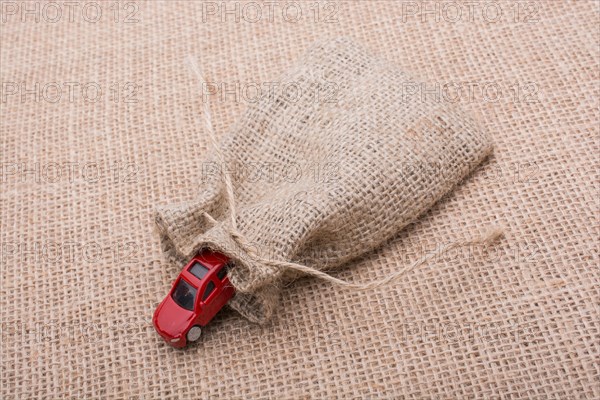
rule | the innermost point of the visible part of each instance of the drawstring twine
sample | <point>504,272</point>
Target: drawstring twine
<point>490,236</point>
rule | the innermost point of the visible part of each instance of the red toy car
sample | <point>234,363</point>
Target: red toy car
<point>199,292</point>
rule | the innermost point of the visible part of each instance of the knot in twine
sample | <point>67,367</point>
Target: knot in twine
<point>493,233</point>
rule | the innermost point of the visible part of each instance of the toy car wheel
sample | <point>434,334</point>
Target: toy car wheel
<point>194,333</point>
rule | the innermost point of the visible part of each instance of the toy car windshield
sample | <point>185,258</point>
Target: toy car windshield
<point>198,270</point>
<point>184,295</point>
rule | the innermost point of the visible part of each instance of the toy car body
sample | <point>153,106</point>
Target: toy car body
<point>199,292</point>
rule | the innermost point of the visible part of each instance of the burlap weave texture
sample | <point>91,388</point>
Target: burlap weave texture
<point>517,320</point>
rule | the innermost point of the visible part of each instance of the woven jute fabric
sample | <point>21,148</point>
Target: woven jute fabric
<point>83,267</point>
<point>341,161</point>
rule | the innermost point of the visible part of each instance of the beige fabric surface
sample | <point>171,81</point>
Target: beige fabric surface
<point>81,262</point>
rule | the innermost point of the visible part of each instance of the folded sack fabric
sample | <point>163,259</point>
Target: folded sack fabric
<point>323,170</point>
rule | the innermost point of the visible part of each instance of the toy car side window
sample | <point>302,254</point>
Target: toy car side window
<point>209,289</point>
<point>222,273</point>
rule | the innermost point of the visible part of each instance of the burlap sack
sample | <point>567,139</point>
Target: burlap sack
<point>336,159</point>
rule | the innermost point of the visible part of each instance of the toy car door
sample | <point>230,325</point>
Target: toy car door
<point>208,305</point>
<point>226,290</point>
